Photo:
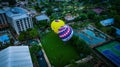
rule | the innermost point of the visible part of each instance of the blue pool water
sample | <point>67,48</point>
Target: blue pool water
<point>90,37</point>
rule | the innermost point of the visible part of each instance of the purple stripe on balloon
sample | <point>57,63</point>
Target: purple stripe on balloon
<point>63,31</point>
<point>62,28</point>
<point>66,33</point>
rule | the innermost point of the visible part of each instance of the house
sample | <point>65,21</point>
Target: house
<point>97,10</point>
<point>42,17</point>
<point>107,22</point>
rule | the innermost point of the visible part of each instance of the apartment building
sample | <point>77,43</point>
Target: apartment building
<point>19,19</point>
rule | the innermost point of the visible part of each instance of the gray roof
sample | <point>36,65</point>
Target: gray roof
<point>15,56</point>
<point>19,16</point>
<point>2,11</point>
<point>17,13</point>
<point>42,17</point>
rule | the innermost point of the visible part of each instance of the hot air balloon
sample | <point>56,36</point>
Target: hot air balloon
<point>65,33</point>
<point>56,24</point>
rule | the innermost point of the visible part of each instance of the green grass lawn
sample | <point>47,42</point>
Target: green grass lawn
<point>59,53</point>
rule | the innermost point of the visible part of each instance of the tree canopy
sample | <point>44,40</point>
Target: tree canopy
<point>29,34</point>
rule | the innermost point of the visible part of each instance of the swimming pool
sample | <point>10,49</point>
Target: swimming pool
<point>111,51</point>
<point>91,36</point>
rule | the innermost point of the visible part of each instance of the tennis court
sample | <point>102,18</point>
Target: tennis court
<point>111,51</point>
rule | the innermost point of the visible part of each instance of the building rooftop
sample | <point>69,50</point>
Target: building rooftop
<point>107,22</point>
<point>15,56</point>
<point>20,16</point>
<point>42,17</point>
<point>16,12</point>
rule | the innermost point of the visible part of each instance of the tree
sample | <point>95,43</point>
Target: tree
<point>117,20</point>
<point>37,8</point>
<point>73,40</point>
<point>77,19</point>
<point>49,11</point>
<point>0,44</point>
<point>111,31</point>
<point>22,36</point>
<point>91,14</point>
<point>35,49</point>
<point>26,35</point>
<point>33,33</point>
<point>11,41</point>
<point>80,45</point>
<point>83,16</point>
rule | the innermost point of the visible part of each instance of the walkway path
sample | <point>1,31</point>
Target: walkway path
<point>84,60</point>
<point>89,57</point>
<point>46,58</point>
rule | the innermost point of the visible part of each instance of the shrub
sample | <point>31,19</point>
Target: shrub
<point>83,16</point>
<point>49,11</point>
<point>80,45</point>
<point>91,14</point>
<point>117,20</point>
<point>77,19</point>
<point>111,31</point>
<point>26,35</point>
<point>34,49</point>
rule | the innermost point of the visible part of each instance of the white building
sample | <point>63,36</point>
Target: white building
<point>15,56</point>
<point>3,18</point>
<point>42,17</point>
<point>19,19</point>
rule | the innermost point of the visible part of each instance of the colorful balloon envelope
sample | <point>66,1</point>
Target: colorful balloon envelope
<point>57,24</point>
<point>65,33</point>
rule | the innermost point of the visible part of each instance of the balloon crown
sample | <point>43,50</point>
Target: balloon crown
<point>56,20</point>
